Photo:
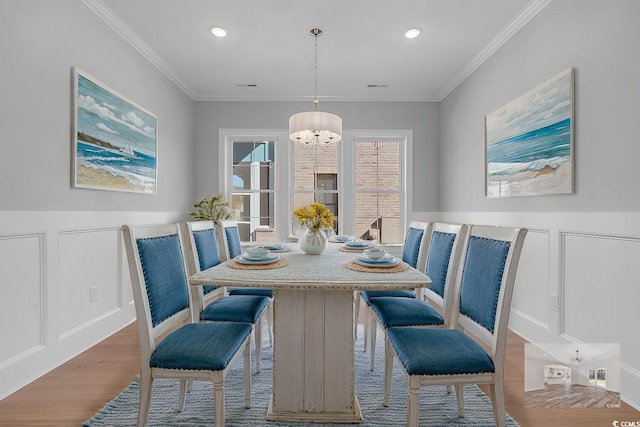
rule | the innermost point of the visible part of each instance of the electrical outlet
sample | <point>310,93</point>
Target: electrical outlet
<point>93,294</point>
<point>553,302</point>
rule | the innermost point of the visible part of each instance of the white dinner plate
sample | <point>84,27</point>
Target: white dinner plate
<point>274,247</point>
<point>358,245</point>
<point>371,263</point>
<point>246,259</point>
<point>342,238</point>
<point>382,260</point>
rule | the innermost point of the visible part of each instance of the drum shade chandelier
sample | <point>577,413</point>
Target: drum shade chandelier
<point>315,128</point>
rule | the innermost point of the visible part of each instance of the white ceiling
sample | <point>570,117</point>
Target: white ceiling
<point>269,44</point>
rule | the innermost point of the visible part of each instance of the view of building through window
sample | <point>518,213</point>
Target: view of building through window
<point>371,207</point>
<point>253,195</point>
<point>316,178</point>
<point>378,190</point>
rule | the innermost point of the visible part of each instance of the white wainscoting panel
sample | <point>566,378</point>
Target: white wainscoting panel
<point>89,277</point>
<point>22,283</point>
<point>531,293</point>
<point>49,261</point>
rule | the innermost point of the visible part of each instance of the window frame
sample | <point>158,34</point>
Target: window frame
<point>284,164</point>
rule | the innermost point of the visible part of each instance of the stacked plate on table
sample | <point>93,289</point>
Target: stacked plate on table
<point>375,257</point>
<point>257,256</point>
<point>342,238</point>
<point>357,244</point>
<point>274,246</point>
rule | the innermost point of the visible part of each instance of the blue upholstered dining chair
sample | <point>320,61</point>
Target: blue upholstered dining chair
<point>231,247</point>
<point>414,253</point>
<point>482,302</point>
<point>189,351</point>
<point>202,252</point>
<point>443,260</point>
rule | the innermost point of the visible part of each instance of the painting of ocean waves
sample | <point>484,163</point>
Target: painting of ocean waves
<point>115,141</point>
<point>529,142</point>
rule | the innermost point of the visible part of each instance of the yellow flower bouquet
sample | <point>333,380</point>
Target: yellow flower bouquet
<point>315,216</point>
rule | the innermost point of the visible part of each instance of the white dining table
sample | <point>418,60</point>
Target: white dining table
<point>313,354</point>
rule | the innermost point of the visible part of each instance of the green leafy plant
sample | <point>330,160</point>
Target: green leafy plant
<point>214,209</point>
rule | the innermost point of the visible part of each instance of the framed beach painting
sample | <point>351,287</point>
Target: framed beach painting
<point>529,142</point>
<point>114,141</point>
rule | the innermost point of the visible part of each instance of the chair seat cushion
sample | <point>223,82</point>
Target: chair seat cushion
<point>240,308</point>
<point>200,346</point>
<point>439,352</point>
<point>394,312</point>
<point>251,291</point>
<point>403,293</point>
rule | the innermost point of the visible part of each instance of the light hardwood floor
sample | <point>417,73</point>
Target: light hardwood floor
<point>75,391</point>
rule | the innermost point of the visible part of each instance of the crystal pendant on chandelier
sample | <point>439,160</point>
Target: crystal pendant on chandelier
<point>315,128</point>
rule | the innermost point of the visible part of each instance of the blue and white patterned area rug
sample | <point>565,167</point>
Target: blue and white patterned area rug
<point>437,408</point>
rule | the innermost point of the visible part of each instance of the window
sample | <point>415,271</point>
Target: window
<point>598,377</point>
<point>362,180</point>
<point>378,190</point>
<point>253,188</point>
<point>316,172</point>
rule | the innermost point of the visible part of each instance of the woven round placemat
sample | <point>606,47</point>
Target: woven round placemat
<point>346,249</point>
<point>352,265</point>
<point>282,262</point>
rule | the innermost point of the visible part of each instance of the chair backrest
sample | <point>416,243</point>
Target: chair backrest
<point>443,262</point>
<point>159,281</point>
<point>229,236</point>
<point>484,287</point>
<point>416,241</point>
<point>201,252</point>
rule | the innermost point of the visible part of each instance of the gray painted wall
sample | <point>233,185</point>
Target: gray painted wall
<point>421,117</point>
<point>40,40</point>
<point>600,39</point>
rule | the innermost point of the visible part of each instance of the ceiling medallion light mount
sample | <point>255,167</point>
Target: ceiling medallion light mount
<point>315,128</point>
<point>577,358</point>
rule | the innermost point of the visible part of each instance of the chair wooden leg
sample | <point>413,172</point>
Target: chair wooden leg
<point>247,374</point>
<point>497,396</point>
<point>258,339</point>
<point>367,312</point>
<point>357,313</point>
<point>373,329</point>
<point>460,399</point>
<point>146,382</point>
<point>412,403</point>
<point>184,385</point>
<point>388,369</point>
<point>270,321</point>
<point>218,404</point>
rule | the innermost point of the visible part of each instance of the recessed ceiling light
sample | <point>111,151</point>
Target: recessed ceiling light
<point>412,33</point>
<point>218,32</point>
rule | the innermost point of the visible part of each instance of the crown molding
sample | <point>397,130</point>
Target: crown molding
<point>515,25</point>
<point>110,18</point>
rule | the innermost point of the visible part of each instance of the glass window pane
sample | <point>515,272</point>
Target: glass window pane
<point>242,151</point>
<point>366,178</point>
<point>241,177</point>
<point>241,206</point>
<point>389,204</point>
<point>388,177</point>
<point>366,228</point>
<point>366,205</point>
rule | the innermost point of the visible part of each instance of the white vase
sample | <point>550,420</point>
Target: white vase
<point>313,243</point>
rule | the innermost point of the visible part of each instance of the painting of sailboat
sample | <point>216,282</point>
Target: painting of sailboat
<point>529,142</point>
<point>114,141</point>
